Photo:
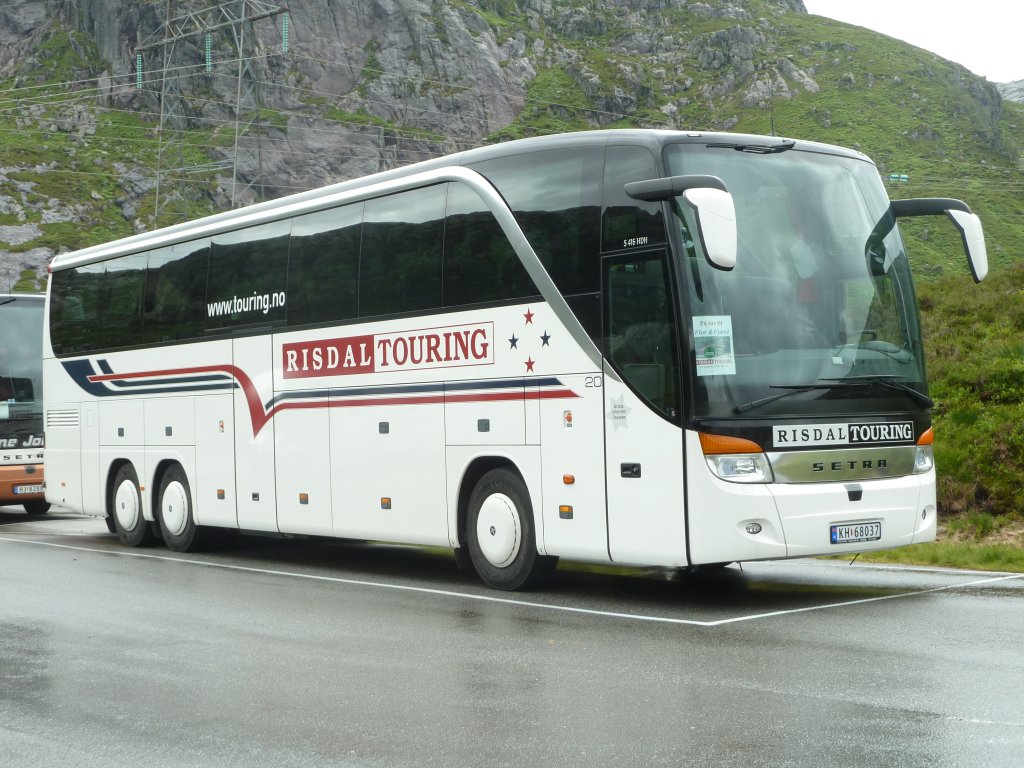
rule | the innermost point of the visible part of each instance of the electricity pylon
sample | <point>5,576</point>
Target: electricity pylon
<point>246,165</point>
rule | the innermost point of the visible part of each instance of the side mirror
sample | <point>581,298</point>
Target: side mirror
<point>974,242</point>
<point>712,206</point>
<point>966,222</point>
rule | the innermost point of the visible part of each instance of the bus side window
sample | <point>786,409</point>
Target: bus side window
<point>119,318</point>
<point>400,258</point>
<point>323,266</point>
<point>480,264</point>
<point>176,292</point>
<point>625,222</point>
<point>556,198</point>
<point>74,308</point>
<point>247,276</point>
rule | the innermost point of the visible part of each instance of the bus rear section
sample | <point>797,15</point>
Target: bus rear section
<point>21,402</point>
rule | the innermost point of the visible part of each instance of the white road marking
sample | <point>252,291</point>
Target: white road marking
<point>512,601</point>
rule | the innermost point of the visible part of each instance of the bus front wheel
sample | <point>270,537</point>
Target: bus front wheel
<point>36,507</point>
<point>502,543</point>
<point>177,523</point>
<point>126,500</point>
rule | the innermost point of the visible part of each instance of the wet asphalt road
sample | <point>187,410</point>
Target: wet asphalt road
<point>322,653</point>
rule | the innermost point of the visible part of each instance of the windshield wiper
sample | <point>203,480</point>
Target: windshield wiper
<point>758,149</point>
<point>791,389</point>
<point>889,381</point>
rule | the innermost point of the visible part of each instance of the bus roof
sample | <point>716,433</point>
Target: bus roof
<point>269,210</point>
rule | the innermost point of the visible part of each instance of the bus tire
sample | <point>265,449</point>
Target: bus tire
<point>36,507</point>
<point>500,533</point>
<point>177,523</point>
<point>126,509</point>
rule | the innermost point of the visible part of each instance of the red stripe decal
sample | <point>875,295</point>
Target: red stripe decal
<point>260,416</point>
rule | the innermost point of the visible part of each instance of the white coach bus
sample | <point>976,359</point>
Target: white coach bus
<point>632,347</point>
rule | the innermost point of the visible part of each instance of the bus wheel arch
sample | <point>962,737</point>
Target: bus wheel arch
<point>125,507</point>
<point>499,528</point>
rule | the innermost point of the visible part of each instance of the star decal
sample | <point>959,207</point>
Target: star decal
<point>513,342</point>
<point>544,339</point>
<point>618,413</point>
<point>529,364</point>
<point>529,317</point>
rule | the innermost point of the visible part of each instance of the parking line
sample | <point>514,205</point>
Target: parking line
<point>511,601</point>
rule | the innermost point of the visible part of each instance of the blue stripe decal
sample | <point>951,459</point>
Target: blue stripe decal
<point>178,380</point>
<point>80,371</point>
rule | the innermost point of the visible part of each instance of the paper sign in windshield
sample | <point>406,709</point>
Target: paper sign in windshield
<point>712,341</point>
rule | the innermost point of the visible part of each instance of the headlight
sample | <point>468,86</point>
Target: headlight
<point>741,468</point>
<point>924,461</point>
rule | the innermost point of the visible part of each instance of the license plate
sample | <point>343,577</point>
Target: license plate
<point>23,489</point>
<point>850,533</point>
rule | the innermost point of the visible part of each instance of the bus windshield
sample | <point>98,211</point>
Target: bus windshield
<point>21,360</point>
<point>819,316</point>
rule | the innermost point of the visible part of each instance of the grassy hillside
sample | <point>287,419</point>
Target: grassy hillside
<point>975,343</point>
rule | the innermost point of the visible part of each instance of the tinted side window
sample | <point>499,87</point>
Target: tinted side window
<point>248,270</point>
<point>175,299</point>
<point>479,262</point>
<point>629,223</point>
<point>119,321</point>
<point>400,259</point>
<point>323,268</point>
<point>74,308</point>
<point>556,197</point>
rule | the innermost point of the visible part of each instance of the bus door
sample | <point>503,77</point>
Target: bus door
<point>254,434</point>
<point>643,439</point>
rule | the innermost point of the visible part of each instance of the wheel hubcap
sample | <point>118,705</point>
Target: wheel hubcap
<point>498,531</point>
<point>174,508</point>
<point>126,506</point>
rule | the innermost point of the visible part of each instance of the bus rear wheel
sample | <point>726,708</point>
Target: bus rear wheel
<point>126,509</point>
<point>177,523</point>
<point>36,507</point>
<point>500,533</point>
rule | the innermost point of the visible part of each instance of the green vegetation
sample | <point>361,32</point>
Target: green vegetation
<point>975,346</point>
<point>554,103</point>
<point>29,282</point>
<point>955,554</point>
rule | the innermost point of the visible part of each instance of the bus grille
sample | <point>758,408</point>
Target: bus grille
<point>68,418</point>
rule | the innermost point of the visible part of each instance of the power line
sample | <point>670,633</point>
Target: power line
<point>246,158</point>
